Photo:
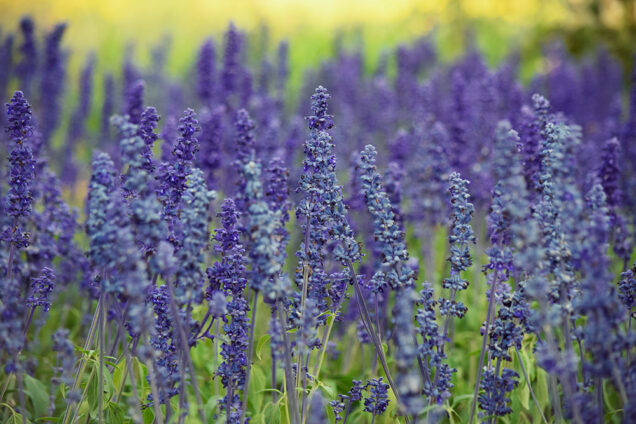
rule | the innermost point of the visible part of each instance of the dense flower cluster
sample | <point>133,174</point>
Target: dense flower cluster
<point>165,319</point>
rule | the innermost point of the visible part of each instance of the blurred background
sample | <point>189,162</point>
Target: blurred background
<point>494,26</point>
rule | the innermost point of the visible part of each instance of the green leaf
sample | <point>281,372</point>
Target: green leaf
<point>271,414</point>
<point>119,373</point>
<point>259,346</point>
<point>38,394</point>
<point>113,413</point>
<point>257,384</point>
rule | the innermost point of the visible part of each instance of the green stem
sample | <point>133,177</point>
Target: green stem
<point>155,390</point>
<point>525,376</point>
<point>248,367</point>
<point>366,319</point>
<point>82,365</point>
<point>489,315</point>
<point>290,387</point>
<point>186,351</point>
<point>21,394</point>
<point>102,344</point>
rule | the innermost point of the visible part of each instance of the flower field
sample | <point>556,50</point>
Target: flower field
<point>395,235</point>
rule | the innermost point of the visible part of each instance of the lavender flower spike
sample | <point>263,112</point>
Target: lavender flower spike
<point>19,197</point>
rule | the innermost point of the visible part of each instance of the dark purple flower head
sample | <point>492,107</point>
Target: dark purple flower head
<point>135,101</point>
<point>282,69</point>
<point>206,71</point>
<point>320,120</point>
<point>146,130</point>
<point>52,84</point>
<point>6,64</point>
<point>187,143</point>
<point>609,172</point>
<point>41,289</point>
<point>493,400</point>
<point>386,229</point>
<point>231,61</point>
<point>19,200</point>
<point>245,143</point>
<point>108,107</point>
<point>19,118</point>
<point>627,288</point>
<point>461,234</point>
<point>27,67</point>
<point>378,399</point>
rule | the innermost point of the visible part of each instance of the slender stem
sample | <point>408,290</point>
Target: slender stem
<point>302,311</point>
<point>344,421</point>
<point>377,317</point>
<point>155,390</point>
<point>424,370</point>
<point>186,351</point>
<point>373,418</point>
<point>629,331</point>
<point>131,374</point>
<point>228,401</point>
<point>6,385</point>
<point>248,367</point>
<point>325,340</point>
<point>525,376</point>
<point>304,405</point>
<point>489,315</point>
<point>554,394</point>
<point>88,381</point>
<point>82,365</point>
<point>113,348</point>
<point>102,344</point>
<point>290,388</point>
<point>28,321</point>
<point>216,355</point>
<point>366,319</point>
<point>493,419</point>
<point>274,385</point>
<point>20,375</point>
<point>11,253</point>
<point>619,382</point>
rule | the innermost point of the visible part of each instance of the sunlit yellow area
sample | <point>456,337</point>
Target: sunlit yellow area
<point>108,25</point>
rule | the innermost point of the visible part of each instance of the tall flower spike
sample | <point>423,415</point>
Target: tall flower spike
<point>265,250</point>
<point>460,237</point>
<point>27,67</point>
<point>145,208</point>
<point>77,126</point>
<point>19,200</point>
<point>231,61</point>
<point>135,101</point>
<point>7,65</point>
<point>211,156</point>
<point>173,176</point>
<point>101,184</point>
<point>195,217</point>
<point>386,228</point>
<point>277,194</point>
<point>52,85</point>
<point>206,71</point>
<point>598,299</point>
<point>228,275</point>
<point>147,125</point>
<point>245,154</point>
<point>108,108</point>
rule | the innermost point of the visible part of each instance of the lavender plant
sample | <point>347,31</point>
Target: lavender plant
<point>134,313</point>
